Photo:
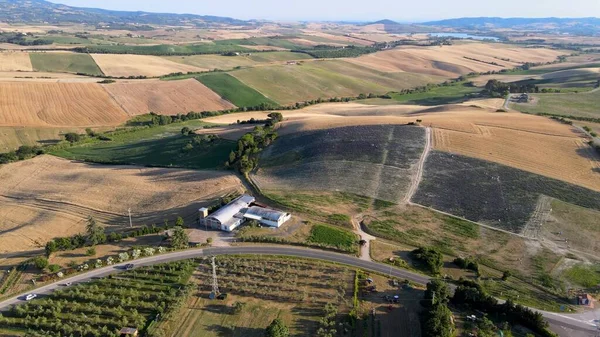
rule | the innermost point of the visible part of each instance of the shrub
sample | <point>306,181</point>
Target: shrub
<point>431,257</point>
<point>53,268</point>
<point>40,262</point>
<point>91,251</point>
<point>467,263</point>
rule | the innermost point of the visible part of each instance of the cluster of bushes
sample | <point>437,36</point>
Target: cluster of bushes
<point>21,39</point>
<point>467,263</point>
<point>22,153</point>
<point>245,158</point>
<point>497,88</point>
<point>283,241</point>
<point>481,61</point>
<point>320,52</point>
<point>437,317</point>
<point>431,258</point>
<point>470,295</point>
<point>562,117</point>
<point>562,120</point>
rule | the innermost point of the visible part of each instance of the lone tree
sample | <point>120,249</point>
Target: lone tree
<point>180,239</point>
<point>95,232</point>
<point>72,137</point>
<point>506,275</point>
<point>437,291</point>
<point>277,329</point>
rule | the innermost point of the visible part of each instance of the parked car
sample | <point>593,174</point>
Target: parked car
<point>29,297</point>
<point>129,266</point>
<point>68,284</point>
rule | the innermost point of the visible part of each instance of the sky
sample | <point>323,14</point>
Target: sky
<point>339,10</point>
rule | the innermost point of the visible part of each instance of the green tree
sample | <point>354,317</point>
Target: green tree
<point>185,130</point>
<point>72,137</point>
<point>277,329</point>
<point>437,291</point>
<point>50,248</point>
<point>179,239</point>
<point>438,322</point>
<point>506,275</point>
<point>40,262</point>
<point>53,268</point>
<point>91,251</point>
<point>179,222</point>
<point>95,232</point>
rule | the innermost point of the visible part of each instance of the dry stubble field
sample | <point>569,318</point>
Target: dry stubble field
<point>57,104</point>
<point>47,197</point>
<point>166,97</point>
<point>15,61</point>
<point>450,61</point>
<point>139,65</point>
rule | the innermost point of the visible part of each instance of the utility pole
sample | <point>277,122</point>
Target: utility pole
<point>215,286</point>
<point>130,223</point>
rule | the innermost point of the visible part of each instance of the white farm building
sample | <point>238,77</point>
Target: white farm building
<point>232,215</point>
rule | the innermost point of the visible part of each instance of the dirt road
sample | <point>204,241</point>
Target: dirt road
<point>418,176</point>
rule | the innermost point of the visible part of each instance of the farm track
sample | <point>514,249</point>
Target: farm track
<point>539,216</point>
<point>418,176</point>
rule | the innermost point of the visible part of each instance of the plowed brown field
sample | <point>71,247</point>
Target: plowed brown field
<point>15,61</point>
<point>47,197</point>
<point>450,61</point>
<point>57,104</point>
<point>166,97</point>
<point>139,65</point>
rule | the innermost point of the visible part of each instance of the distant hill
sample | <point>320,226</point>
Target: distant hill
<point>41,11</point>
<point>583,26</point>
<point>394,27</point>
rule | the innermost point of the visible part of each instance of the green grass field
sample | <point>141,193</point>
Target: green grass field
<point>65,63</point>
<point>557,67</point>
<point>573,104</point>
<point>437,96</point>
<point>584,276</point>
<point>168,49</point>
<point>325,79</point>
<point>233,90</point>
<point>158,146</point>
<point>332,236</point>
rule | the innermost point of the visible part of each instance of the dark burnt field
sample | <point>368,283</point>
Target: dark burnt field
<point>491,193</point>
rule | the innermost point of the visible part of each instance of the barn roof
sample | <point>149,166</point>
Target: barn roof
<point>258,213</point>
<point>227,212</point>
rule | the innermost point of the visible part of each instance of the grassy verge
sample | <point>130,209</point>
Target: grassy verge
<point>332,236</point>
<point>234,90</point>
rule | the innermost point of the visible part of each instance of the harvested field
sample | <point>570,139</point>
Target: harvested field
<point>15,61</point>
<point>379,164</point>
<point>11,137</point>
<point>451,61</point>
<point>493,194</point>
<point>140,65</point>
<point>577,225</point>
<point>560,157</point>
<point>166,97</point>
<point>65,63</point>
<point>574,104</point>
<point>47,197</point>
<point>57,104</point>
<point>322,79</point>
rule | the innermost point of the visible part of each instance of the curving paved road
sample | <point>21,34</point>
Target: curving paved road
<point>571,326</point>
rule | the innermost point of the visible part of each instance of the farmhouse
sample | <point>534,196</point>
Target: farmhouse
<point>232,215</point>
<point>267,217</point>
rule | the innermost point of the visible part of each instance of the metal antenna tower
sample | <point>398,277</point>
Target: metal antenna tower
<point>215,286</point>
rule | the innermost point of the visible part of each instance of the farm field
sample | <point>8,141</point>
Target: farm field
<point>493,194</point>
<point>211,62</point>
<point>570,104</point>
<point>323,79</point>
<point>165,97</point>
<point>47,196</point>
<point>13,137</point>
<point>576,224</point>
<point>379,164</point>
<point>168,49</point>
<point>452,94</point>
<point>57,104</point>
<point>139,65</point>
<point>236,92</point>
<point>133,296</point>
<point>162,146</point>
<point>567,158</point>
<point>259,290</point>
<point>15,61</point>
<point>455,60</point>
<point>65,63</point>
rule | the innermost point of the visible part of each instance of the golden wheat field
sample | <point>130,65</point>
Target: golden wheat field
<point>139,65</point>
<point>46,197</point>
<point>57,104</point>
<point>15,61</point>
<point>166,97</point>
<point>451,61</point>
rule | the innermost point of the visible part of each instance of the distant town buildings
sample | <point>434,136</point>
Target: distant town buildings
<point>235,213</point>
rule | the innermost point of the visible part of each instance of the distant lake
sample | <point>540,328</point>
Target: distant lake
<point>464,36</point>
